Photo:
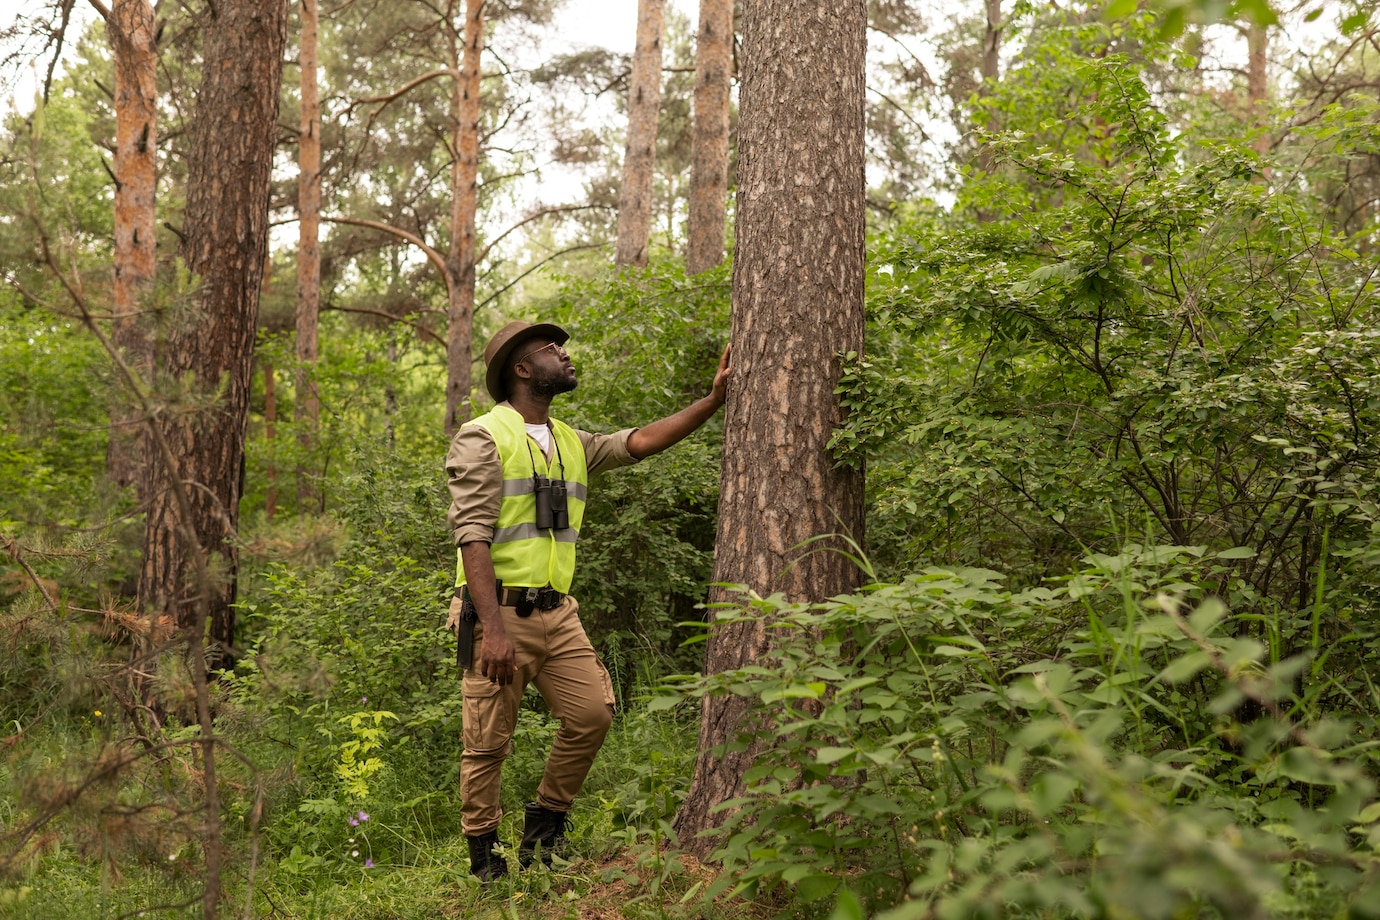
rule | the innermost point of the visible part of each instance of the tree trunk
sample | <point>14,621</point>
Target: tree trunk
<point>390,391</point>
<point>308,407</point>
<point>1258,43</point>
<point>709,143</point>
<point>797,303</point>
<point>270,436</point>
<point>226,227</point>
<point>639,160</point>
<point>991,43</point>
<point>991,66</point>
<point>131,29</point>
<point>464,205</point>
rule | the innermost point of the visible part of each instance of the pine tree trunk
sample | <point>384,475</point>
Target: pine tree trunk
<point>639,159</point>
<point>709,142</point>
<point>131,28</point>
<point>308,406</point>
<point>226,232</point>
<point>464,205</point>
<point>797,303</point>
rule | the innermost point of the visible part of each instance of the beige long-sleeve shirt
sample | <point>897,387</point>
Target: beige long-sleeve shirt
<point>476,476</point>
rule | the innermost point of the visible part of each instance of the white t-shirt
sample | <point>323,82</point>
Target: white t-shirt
<point>542,435</point>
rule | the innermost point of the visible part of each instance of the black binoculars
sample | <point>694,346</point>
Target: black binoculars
<point>552,513</point>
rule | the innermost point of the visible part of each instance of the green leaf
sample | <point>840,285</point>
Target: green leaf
<point>662,702</point>
<point>848,907</point>
<point>815,887</point>
<point>1185,668</point>
<point>1237,552</point>
<point>1353,23</point>
<point>827,755</point>
<point>1305,766</point>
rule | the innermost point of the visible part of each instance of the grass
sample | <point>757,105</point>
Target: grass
<point>640,882</point>
<point>88,867</point>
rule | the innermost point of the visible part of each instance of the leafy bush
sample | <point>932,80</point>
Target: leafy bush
<point>950,747</point>
<point>1150,339</point>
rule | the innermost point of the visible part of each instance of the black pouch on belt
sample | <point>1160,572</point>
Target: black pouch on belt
<point>464,647</point>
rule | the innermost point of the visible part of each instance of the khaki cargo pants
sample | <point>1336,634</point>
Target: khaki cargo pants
<point>553,652</point>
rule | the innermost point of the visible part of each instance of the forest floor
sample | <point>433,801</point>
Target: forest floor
<point>633,883</point>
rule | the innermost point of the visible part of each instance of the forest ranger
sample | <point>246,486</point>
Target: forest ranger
<point>518,482</point>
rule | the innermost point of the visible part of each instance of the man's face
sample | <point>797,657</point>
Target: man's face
<point>549,367</point>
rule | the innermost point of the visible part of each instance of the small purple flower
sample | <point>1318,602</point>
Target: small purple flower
<point>363,816</point>
<point>354,822</point>
<point>364,699</point>
<point>368,864</point>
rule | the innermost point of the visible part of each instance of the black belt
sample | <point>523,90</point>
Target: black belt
<point>528,599</point>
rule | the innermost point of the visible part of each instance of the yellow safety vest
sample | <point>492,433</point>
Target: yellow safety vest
<point>524,556</point>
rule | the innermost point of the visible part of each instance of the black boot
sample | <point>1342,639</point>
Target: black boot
<point>484,862</point>
<point>544,827</point>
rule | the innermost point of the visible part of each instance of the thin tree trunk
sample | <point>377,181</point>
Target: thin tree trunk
<point>797,303</point>
<point>639,159</point>
<point>308,408</point>
<point>226,226</point>
<point>459,262</point>
<point>1257,87</point>
<point>390,391</point>
<point>131,29</point>
<point>991,66</point>
<point>270,436</point>
<point>709,142</point>
<point>991,43</point>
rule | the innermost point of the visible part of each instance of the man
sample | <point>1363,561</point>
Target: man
<point>518,482</point>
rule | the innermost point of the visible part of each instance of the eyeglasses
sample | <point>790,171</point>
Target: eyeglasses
<point>559,351</point>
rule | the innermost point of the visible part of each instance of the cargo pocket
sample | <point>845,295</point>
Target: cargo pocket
<point>606,685</point>
<point>489,713</point>
<point>453,615</point>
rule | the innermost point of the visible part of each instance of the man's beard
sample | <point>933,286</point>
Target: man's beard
<point>549,386</point>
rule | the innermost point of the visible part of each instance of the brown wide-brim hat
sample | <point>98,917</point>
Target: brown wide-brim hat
<point>502,344</point>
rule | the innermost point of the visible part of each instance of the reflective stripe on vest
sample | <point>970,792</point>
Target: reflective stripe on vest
<point>524,555</point>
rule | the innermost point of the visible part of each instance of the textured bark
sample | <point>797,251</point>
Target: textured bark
<point>991,42</point>
<point>797,302</point>
<point>226,227</point>
<point>464,204</point>
<point>639,159</point>
<point>131,30</point>
<point>308,406</point>
<point>709,142</point>
<point>1258,43</point>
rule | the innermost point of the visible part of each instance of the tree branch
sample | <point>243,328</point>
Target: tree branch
<point>536,215</point>
<point>898,107</point>
<point>434,257</point>
<point>388,316</point>
<point>407,87</point>
<point>554,255</point>
<point>17,555</point>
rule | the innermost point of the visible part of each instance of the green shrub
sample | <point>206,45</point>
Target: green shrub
<point>949,747</point>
